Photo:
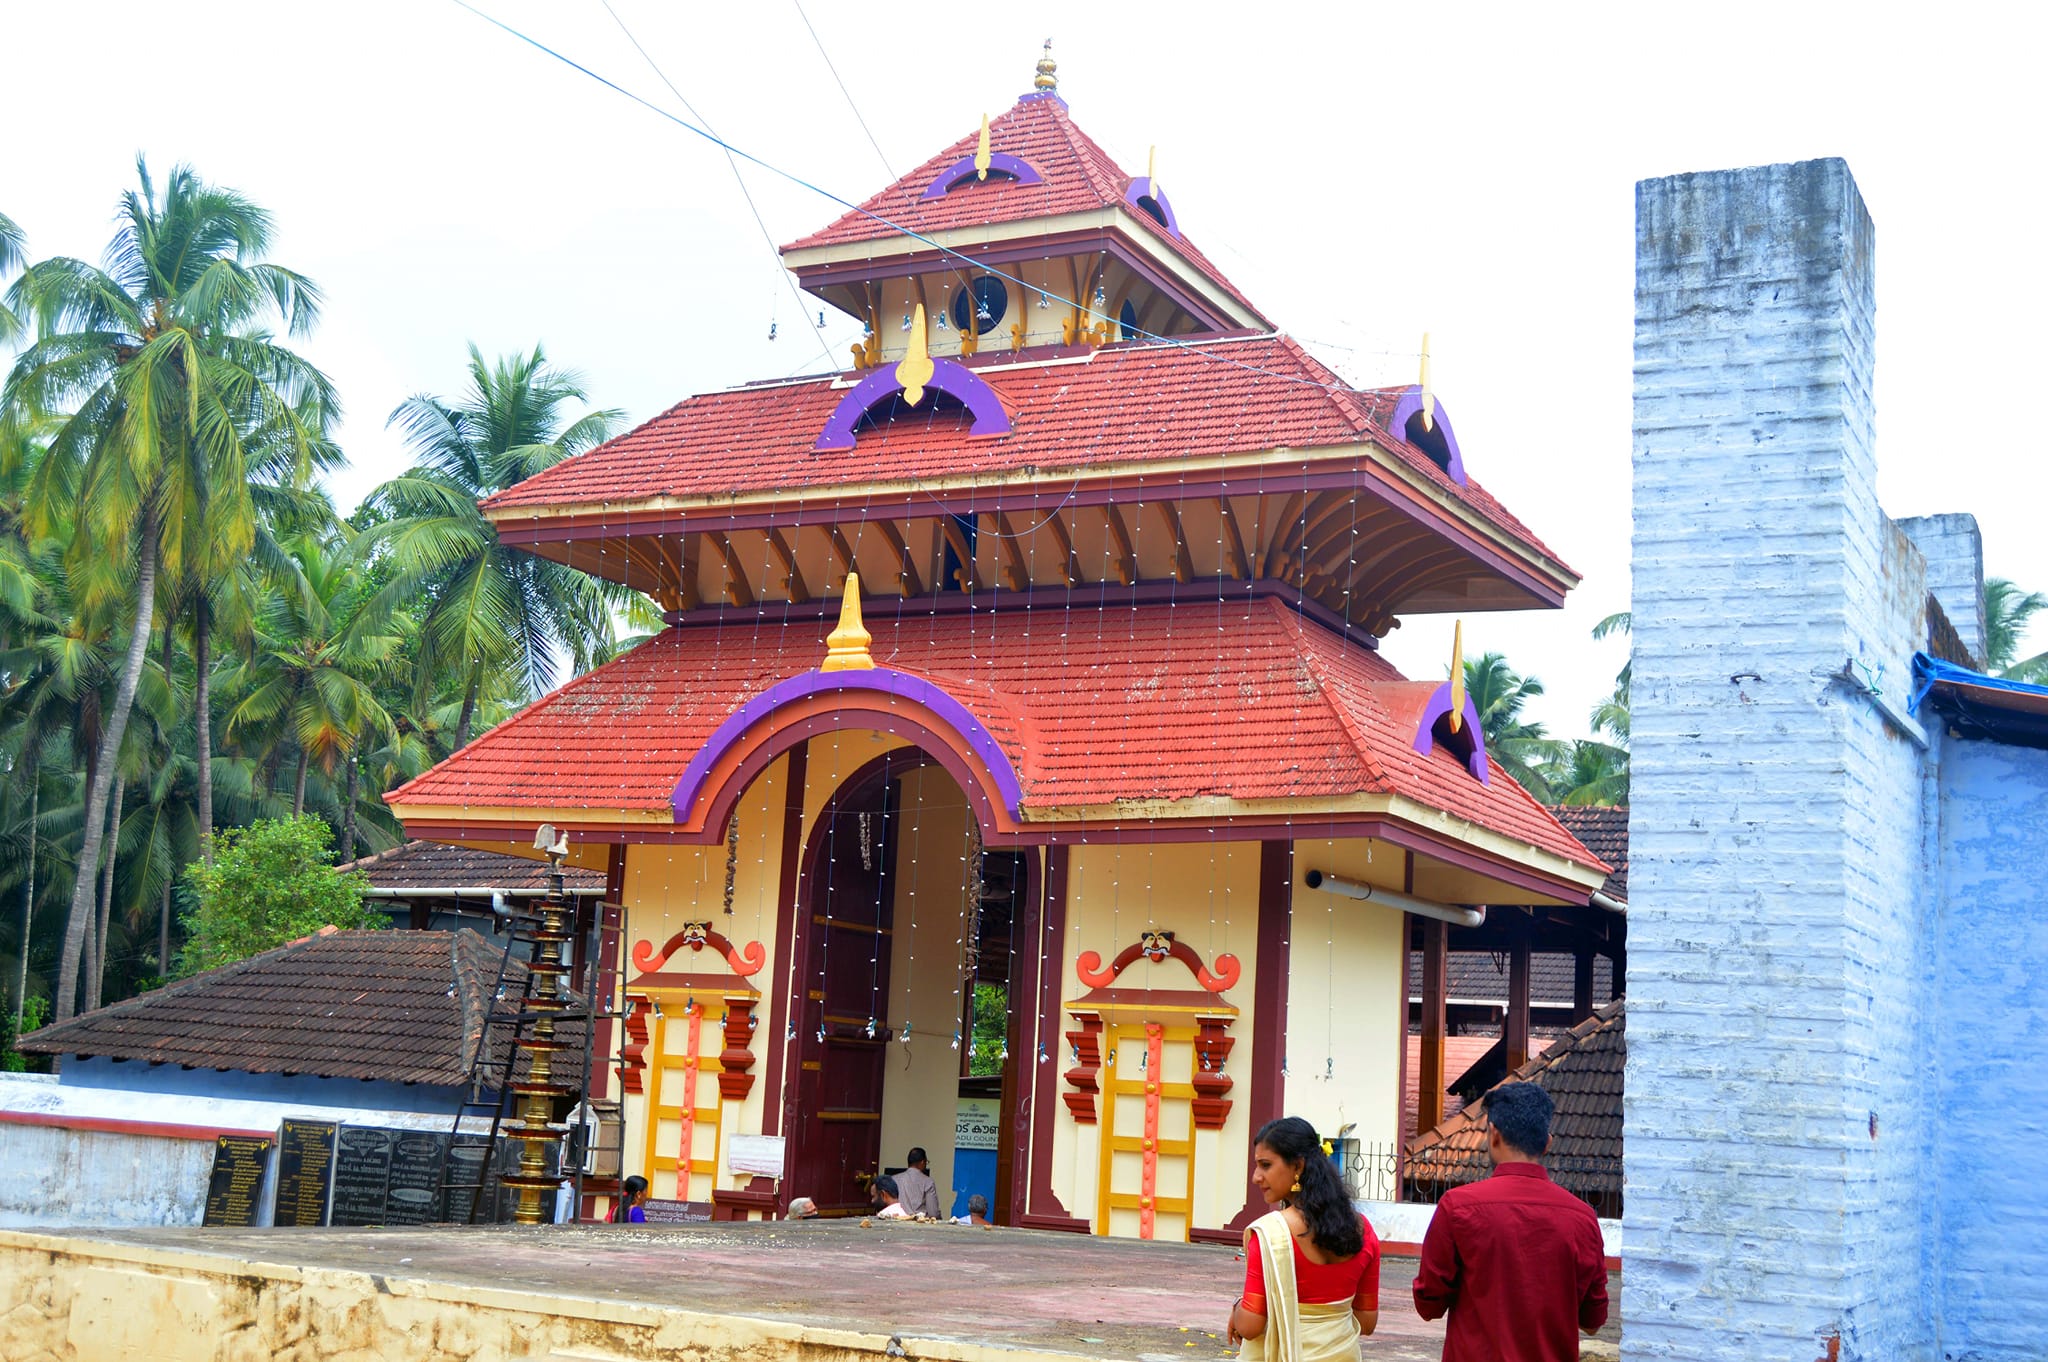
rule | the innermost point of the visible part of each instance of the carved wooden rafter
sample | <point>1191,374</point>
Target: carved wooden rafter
<point>1070,561</point>
<point>956,539</point>
<point>737,590</point>
<point>1394,540</point>
<point>1422,570</point>
<point>1125,563</point>
<point>1157,946</point>
<point>1329,509</point>
<point>1183,564</point>
<point>1278,534</point>
<point>841,551</point>
<point>792,576</point>
<point>1015,571</point>
<point>1234,559</point>
<point>907,579</point>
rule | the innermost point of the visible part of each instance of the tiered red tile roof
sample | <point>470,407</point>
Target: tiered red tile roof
<point>1123,405</point>
<point>1078,176</point>
<point>1161,702</point>
<point>429,868</point>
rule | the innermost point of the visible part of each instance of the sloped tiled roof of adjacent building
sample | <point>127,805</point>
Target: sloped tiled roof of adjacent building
<point>1076,176</point>
<point>1482,976</point>
<point>1582,1072</point>
<point>1126,404</point>
<point>428,868</point>
<point>1604,831</point>
<point>397,1006</point>
<point>1091,707</point>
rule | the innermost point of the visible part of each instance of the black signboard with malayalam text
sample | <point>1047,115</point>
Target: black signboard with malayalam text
<point>305,1172</point>
<point>466,1157</point>
<point>362,1173</point>
<point>239,1162</point>
<point>415,1182</point>
<point>676,1212</point>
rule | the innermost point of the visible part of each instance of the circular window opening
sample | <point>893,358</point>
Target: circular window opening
<point>983,302</point>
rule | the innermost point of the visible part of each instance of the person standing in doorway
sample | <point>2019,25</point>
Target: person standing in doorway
<point>914,1185</point>
<point>1515,1260</point>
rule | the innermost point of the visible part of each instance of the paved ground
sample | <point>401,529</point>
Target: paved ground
<point>1099,1298</point>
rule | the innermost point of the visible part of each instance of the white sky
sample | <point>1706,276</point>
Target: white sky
<point>1364,173</point>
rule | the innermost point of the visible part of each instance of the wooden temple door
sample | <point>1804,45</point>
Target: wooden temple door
<point>1148,1136</point>
<point>844,1029</point>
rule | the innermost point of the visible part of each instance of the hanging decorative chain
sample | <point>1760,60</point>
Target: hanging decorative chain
<point>970,943</point>
<point>867,842</point>
<point>732,859</point>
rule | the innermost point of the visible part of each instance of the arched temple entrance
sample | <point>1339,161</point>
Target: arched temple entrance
<point>904,922</point>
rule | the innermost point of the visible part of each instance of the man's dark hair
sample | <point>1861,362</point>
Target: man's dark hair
<point>1521,1112</point>
<point>916,1156</point>
<point>886,1185</point>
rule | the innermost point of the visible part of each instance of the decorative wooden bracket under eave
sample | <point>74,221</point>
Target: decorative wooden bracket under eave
<point>1157,947</point>
<point>697,935</point>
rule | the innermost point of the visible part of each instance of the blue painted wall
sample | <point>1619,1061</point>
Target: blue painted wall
<point>137,1076</point>
<point>1986,1219</point>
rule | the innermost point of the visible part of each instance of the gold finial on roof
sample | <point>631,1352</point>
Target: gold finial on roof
<point>915,369</point>
<point>1152,171</point>
<point>1457,675</point>
<point>846,648</point>
<point>1428,397</point>
<point>1048,77</point>
<point>981,152</point>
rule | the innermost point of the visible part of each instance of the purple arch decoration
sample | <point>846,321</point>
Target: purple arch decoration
<point>963,169</point>
<point>1425,732</point>
<point>949,377</point>
<point>883,680</point>
<point>1141,188</point>
<point>1408,406</point>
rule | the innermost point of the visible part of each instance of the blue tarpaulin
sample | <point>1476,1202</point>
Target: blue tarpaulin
<point>1992,708</point>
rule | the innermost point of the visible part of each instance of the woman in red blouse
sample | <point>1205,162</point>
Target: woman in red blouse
<point>1312,1263</point>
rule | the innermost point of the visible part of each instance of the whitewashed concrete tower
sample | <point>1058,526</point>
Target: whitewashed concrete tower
<point>1773,1117</point>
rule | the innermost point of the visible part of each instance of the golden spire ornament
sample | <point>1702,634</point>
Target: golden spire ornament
<point>981,152</point>
<point>1152,172</point>
<point>1457,670</point>
<point>915,369</point>
<point>846,648</point>
<point>1428,397</point>
<point>1048,79</point>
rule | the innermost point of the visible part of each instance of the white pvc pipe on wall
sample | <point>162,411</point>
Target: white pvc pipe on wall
<point>1393,898</point>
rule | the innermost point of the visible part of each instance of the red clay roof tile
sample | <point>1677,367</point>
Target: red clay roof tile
<point>1092,706</point>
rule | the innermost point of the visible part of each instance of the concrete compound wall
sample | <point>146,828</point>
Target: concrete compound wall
<point>1832,938</point>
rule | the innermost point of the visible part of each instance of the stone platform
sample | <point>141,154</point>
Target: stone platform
<point>596,1293</point>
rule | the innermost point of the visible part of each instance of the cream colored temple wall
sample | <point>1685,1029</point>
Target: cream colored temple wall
<point>669,885</point>
<point>1345,1018</point>
<point>921,1082</point>
<point>1207,894</point>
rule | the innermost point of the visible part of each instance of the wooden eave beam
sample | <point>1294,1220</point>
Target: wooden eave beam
<point>907,579</point>
<point>1410,576</point>
<point>737,590</point>
<point>1014,567</point>
<point>1183,564</point>
<point>1275,534</point>
<point>1233,541</point>
<point>792,576</point>
<point>1126,561</point>
<point>1327,509</point>
<point>1070,561</point>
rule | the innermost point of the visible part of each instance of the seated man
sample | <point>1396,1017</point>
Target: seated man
<point>977,1213</point>
<point>888,1205</point>
<point>920,1194</point>
<point>803,1208</point>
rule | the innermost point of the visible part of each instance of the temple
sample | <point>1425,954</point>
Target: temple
<point>1033,659</point>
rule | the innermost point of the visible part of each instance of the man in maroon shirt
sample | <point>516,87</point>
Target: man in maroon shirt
<point>1516,1259</point>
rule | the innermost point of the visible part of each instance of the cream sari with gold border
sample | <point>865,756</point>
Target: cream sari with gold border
<point>1294,1332</point>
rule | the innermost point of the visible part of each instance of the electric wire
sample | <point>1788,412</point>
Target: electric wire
<point>842,88</point>
<point>882,221</point>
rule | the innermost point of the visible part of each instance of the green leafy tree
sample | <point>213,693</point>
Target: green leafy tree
<point>493,607</point>
<point>2007,613</point>
<point>991,1029</point>
<point>1591,772</point>
<point>13,252</point>
<point>173,395</point>
<point>271,882</point>
<point>1519,746</point>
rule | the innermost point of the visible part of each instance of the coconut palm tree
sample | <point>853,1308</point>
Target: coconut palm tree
<point>13,251</point>
<point>1592,772</point>
<point>318,647</point>
<point>1518,746</point>
<point>160,364</point>
<point>493,607</point>
<point>2007,613</point>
